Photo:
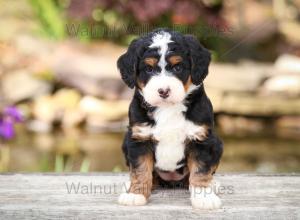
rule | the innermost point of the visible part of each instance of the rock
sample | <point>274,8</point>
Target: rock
<point>28,45</point>
<point>72,118</point>
<point>66,99</point>
<point>104,110</point>
<point>249,104</point>
<point>44,109</point>
<point>288,126</point>
<point>215,97</point>
<point>39,126</point>
<point>106,88</point>
<point>288,63</point>
<point>62,106</point>
<point>13,57</point>
<point>20,85</point>
<point>238,125</point>
<point>92,70</point>
<point>248,15</point>
<point>288,85</point>
<point>292,122</point>
<point>9,57</point>
<point>17,17</point>
<point>290,30</point>
<point>127,94</point>
<point>236,78</point>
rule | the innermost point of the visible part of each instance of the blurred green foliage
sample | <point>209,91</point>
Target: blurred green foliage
<point>50,16</point>
<point>121,21</point>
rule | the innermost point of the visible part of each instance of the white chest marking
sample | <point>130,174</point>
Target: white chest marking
<point>170,131</point>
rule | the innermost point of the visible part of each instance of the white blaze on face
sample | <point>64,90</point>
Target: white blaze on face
<point>163,79</point>
<point>161,41</point>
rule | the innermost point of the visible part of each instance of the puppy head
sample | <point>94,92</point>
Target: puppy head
<point>165,66</point>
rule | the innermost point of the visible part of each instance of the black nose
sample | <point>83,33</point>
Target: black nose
<point>164,93</point>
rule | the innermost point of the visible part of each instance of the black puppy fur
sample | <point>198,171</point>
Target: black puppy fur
<point>195,64</point>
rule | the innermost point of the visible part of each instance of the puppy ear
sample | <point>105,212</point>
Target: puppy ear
<point>127,64</point>
<point>200,59</point>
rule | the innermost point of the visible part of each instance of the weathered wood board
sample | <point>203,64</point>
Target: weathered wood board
<point>49,196</point>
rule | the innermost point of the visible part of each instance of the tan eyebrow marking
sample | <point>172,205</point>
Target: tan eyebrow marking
<point>175,59</point>
<point>151,61</point>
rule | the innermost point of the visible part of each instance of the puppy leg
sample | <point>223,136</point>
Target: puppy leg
<point>203,192</point>
<point>141,132</point>
<point>202,163</point>
<point>196,132</point>
<point>141,182</point>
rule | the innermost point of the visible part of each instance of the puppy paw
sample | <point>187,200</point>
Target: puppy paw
<point>197,132</point>
<point>132,199</point>
<point>141,131</point>
<point>204,198</point>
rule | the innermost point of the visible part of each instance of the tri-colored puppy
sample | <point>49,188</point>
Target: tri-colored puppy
<point>170,137</point>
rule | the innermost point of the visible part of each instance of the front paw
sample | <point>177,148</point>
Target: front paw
<point>204,198</point>
<point>141,131</point>
<point>132,199</point>
<point>197,132</point>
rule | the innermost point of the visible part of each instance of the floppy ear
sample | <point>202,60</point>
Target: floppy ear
<point>200,59</point>
<point>127,64</point>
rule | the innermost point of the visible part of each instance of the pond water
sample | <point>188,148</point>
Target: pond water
<point>77,150</point>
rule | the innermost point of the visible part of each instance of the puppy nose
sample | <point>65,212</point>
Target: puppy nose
<point>164,93</point>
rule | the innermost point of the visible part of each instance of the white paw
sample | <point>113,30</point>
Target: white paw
<point>142,131</point>
<point>196,132</point>
<point>204,198</point>
<point>132,199</point>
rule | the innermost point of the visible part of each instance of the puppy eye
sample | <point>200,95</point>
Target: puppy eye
<point>149,69</point>
<point>177,68</point>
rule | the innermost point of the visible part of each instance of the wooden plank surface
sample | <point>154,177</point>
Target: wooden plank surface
<point>48,196</point>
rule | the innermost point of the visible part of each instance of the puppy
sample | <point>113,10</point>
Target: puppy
<point>170,137</point>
